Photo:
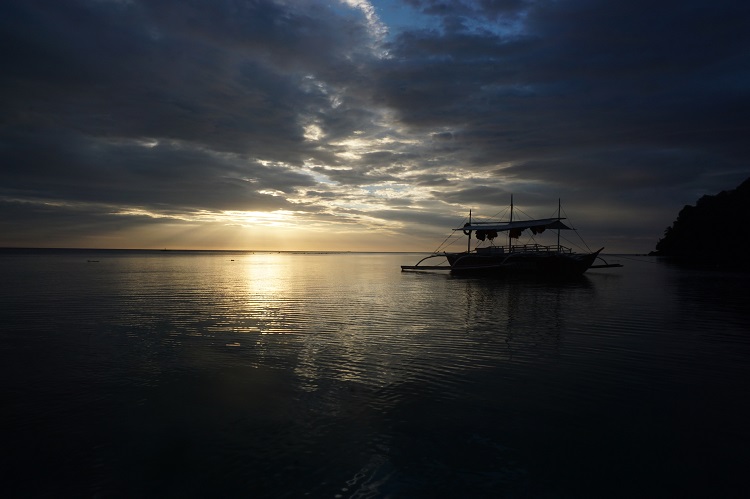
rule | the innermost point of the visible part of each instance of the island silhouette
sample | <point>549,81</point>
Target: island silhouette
<point>711,233</point>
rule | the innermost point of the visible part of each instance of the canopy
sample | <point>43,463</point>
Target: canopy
<point>547,223</point>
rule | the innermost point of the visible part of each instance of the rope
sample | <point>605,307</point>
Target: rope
<point>442,245</point>
<point>576,231</point>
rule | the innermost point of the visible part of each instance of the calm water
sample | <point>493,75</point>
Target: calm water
<point>152,374</point>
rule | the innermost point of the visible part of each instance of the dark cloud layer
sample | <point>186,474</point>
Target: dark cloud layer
<point>173,108</point>
<point>582,74</point>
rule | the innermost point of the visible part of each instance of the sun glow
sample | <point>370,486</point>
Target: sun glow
<point>279,218</point>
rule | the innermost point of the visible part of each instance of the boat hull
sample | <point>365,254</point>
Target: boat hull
<point>535,263</point>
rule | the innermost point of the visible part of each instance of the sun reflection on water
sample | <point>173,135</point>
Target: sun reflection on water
<point>266,283</point>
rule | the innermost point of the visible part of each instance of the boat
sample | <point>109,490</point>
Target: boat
<point>514,258</point>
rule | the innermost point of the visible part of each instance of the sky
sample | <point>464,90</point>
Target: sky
<point>361,125</point>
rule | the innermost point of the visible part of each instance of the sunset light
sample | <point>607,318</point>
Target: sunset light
<point>218,124</point>
<point>379,249</point>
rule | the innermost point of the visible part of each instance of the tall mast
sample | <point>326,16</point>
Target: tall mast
<point>510,239</point>
<point>558,220</point>
<point>468,244</point>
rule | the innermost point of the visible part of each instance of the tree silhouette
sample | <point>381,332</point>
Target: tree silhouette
<point>712,231</point>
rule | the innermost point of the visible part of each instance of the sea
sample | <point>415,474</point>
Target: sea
<point>179,374</point>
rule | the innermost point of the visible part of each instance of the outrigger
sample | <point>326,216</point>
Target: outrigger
<point>553,260</point>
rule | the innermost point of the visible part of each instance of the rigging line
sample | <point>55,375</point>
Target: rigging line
<point>500,214</point>
<point>567,217</point>
<point>574,243</point>
<point>497,216</point>
<point>583,241</point>
<point>452,234</point>
<point>523,213</point>
<point>576,231</point>
<point>449,236</point>
<point>442,245</point>
<point>436,250</point>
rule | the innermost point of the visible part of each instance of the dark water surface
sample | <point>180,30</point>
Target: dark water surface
<point>171,374</point>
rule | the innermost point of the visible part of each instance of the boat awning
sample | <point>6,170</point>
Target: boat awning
<point>547,223</point>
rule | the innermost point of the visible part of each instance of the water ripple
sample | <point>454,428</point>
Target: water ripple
<point>336,375</point>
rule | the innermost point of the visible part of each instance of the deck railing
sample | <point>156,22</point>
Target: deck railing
<point>525,248</point>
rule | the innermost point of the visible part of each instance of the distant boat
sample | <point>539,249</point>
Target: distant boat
<point>487,258</point>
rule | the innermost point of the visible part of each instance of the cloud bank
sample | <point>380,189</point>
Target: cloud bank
<point>206,123</point>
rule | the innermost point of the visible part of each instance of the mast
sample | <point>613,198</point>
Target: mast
<point>468,243</point>
<point>558,219</point>
<point>510,239</point>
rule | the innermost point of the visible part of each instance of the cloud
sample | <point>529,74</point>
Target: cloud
<point>153,175</point>
<point>626,82</point>
<point>228,76</point>
<point>323,110</point>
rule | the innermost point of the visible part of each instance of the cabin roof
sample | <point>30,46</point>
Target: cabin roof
<point>547,223</point>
